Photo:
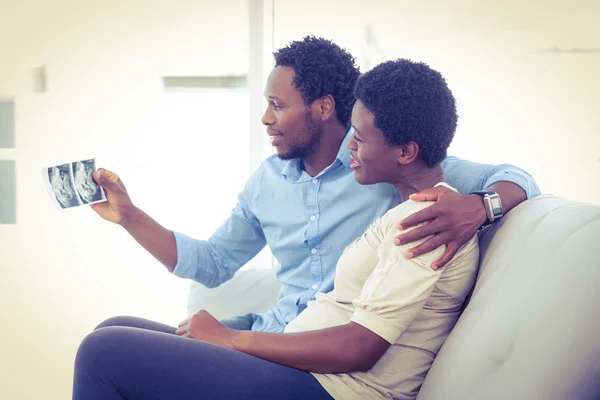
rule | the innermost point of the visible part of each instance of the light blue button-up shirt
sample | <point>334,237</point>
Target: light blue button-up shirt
<point>307,222</point>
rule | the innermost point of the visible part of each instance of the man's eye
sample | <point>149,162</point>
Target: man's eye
<point>357,139</point>
<point>277,106</point>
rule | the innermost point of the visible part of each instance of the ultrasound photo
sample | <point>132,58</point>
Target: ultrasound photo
<point>62,186</point>
<point>71,185</point>
<point>89,192</point>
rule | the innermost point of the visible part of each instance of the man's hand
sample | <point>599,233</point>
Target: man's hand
<point>453,221</point>
<point>203,326</point>
<point>119,205</point>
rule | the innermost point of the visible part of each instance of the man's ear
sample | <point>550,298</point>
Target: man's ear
<point>325,107</point>
<point>407,153</point>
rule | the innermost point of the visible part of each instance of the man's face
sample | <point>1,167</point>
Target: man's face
<point>290,124</point>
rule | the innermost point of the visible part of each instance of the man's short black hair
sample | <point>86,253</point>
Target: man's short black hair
<point>411,103</point>
<point>321,67</point>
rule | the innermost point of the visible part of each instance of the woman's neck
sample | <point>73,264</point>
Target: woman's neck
<point>416,178</point>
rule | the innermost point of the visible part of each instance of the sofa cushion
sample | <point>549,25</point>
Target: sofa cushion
<point>531,329</point>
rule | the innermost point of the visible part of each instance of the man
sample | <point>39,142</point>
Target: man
<point>305,203</point>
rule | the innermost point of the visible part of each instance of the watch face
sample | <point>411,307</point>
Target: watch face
<point>496,204</point>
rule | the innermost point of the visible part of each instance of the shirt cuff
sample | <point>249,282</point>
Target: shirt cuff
<point>527,184</point>
<point>192,254</point>
<point>377,325</point>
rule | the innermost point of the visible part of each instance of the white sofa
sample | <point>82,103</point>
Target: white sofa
<point>532,327</point>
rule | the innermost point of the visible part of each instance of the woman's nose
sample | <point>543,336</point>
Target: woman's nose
<point>351,144</point>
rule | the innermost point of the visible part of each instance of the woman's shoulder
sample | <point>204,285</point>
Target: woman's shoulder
<point>394,215</point>
<point>389,223</point>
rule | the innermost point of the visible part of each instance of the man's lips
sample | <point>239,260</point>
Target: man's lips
<point>354,163</point>
<point>275,137</point>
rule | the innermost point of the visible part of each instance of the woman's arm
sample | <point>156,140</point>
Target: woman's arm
<point>344,348</point>
<point>390,300</point>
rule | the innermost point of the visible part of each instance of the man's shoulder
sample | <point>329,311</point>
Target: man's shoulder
<point>273,160</point>
<point>269,168</point>
<point>451,161</point>
<point>271,163</point>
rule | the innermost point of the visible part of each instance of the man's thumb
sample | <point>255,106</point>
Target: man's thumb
<point>105,178</point>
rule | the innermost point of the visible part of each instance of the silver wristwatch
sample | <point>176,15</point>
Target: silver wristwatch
<point>492,205</point>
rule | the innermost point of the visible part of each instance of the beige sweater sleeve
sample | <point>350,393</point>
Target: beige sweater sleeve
<point>398,287</point>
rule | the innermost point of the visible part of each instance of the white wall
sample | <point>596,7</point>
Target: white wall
<point>183,156</point>
<point>65,271</point>
<point>535,109</point>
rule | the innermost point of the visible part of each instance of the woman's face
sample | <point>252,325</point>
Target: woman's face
<point>373,160</point>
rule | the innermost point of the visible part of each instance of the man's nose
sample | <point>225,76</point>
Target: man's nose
<point>267,118</point>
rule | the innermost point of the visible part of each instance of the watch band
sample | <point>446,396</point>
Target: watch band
<point>492,205</point>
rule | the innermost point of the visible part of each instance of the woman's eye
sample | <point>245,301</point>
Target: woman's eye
<point>357,139</point>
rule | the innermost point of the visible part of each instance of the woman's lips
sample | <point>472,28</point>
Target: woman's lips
<point>353,163</point>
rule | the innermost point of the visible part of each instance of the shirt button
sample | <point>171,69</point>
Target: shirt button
<point>312,217</point>
<point>314,251</point>
<point>314,286</point>
<point>314,181</point>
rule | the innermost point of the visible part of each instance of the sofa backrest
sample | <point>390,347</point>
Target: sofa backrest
<point>532,327</point>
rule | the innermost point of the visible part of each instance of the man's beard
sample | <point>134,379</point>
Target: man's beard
<point>314,133</point>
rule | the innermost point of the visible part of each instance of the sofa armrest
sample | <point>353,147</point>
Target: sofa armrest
<point>251,290</point>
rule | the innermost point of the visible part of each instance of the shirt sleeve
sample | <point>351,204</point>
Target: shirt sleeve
<point>469,176</point>
<point>396,290</point>
<point>214,261</point>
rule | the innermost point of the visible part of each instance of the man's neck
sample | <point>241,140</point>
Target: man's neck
<point>418,178</point>
<point>329,147</point>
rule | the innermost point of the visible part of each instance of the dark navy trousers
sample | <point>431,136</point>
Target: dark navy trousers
<point>137,359</point>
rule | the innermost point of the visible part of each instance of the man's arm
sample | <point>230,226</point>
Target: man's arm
<point>468,176</point>
<point>120,210</point>
<point>209,262</point>
<point>455,218</point>
<point>214,261</point>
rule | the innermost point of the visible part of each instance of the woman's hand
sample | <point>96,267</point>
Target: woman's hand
<point>203,326</point>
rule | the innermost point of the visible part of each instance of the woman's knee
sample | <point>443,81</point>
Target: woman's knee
<point>115,321</point>
<point>98,361</point>
<point>136,322</point>
<point>96,346</point>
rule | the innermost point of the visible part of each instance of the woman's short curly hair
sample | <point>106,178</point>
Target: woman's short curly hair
<point>411,103</point>
<point>321,67</point>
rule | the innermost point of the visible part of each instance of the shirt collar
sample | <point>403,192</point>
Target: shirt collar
<point>344,153</point>
<point>293,168</point>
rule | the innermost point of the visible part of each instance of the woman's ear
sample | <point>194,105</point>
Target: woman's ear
<point>407,153</point>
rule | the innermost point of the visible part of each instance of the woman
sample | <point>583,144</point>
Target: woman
<point>374,336</point>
